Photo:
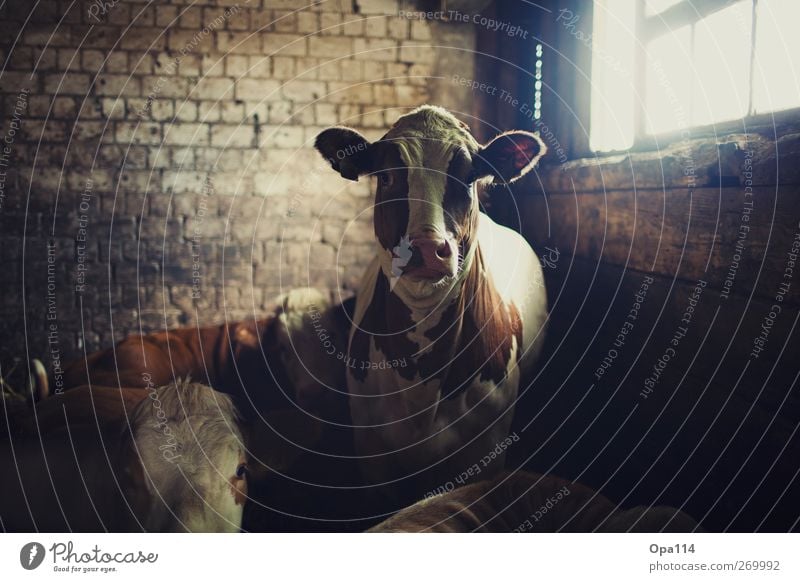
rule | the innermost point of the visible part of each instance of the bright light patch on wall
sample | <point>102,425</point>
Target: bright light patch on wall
<point>668,87</point>
<point>612,105</point>
<point>776,74</point>
<point>722,45</point>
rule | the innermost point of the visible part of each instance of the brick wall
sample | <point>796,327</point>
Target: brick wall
<point>157,167</point>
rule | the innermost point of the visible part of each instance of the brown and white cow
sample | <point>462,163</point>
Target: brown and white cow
<point>265,363</point>
<point>450,313</point>
<point>529,503</point>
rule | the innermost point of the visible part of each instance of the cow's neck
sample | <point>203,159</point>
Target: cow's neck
<point>430,331</point>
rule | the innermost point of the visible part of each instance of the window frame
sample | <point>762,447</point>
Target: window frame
<point>689,13</point>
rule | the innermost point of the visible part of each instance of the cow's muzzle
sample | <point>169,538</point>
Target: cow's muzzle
<point>433,258</point>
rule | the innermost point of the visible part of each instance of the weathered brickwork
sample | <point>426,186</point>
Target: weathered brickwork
<point>157,161</point>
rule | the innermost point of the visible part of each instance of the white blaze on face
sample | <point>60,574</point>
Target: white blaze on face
<point>427,179</point>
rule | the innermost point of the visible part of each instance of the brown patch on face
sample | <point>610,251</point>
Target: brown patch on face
<point>461,210</point>
<point>391,197</point>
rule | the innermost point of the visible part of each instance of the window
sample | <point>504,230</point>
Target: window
<point>664,66</point>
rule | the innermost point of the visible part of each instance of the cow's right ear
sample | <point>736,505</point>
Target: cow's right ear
<point>347,151</point>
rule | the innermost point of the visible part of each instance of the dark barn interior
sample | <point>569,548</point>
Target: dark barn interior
<point>159,172</point>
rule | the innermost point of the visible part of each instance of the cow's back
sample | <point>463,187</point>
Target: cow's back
<point>530,503</point>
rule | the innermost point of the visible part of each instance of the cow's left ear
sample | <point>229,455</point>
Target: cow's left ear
<point>347,151</point>
<point>509,156</point>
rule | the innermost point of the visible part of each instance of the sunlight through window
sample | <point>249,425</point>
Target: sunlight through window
<point>612,123</point>
<point>668,74</point>
<point>700,66</point>
<point>721,58</point>
<point>776,75</point>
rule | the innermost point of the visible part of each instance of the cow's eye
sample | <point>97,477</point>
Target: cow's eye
<point>241,470</point>
<point>385,178</point>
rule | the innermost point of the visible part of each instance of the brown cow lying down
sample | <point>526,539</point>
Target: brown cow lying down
<point>527,502</point>
<point>167,459</point>
<point>265,363</point>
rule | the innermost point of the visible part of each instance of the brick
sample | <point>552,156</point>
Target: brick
<point>415,52</point>
<point>306,68</point>
<point>190,65</point>
<point>282,136</point>
<point>330,24</point>
<point>420,30</point>
<point>191,17</point>
<point>74,83</point>
<point>117,85</point>
<point>239,43</point>
<point>232,111</point>
<point>384,94</point>
<point>307,22</point>
<point>232,136</point>
<point>144,38</point>
<point>411,95</point>
<point>186,134</point>
<point>165,87</point>
<point>236,66</point>
<point>284,44</point>
<point>330,71</point>
<point>161,109</point>
<point>139,134</point>
<point>328,47</point>
<point>261,67</point>
<point>325,114</point>
<point>376,27</point>
<point>377,71</point>
<point>304,91</point>
<point>353,26</point>
<point>389,7</point>
<point>166,16</point>
<point>257,89</point>
<point>285,22</point>
<point>283,67</point>
<point>186,111</point>
<point>348,93</point>
<point>213,88</point>
<point>376,49</point>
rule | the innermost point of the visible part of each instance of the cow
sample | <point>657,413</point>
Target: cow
<point>184,462</point>
<point>451,311</point>
<point>101,459</point>
<point>265,364</point>
<point>525,502</point>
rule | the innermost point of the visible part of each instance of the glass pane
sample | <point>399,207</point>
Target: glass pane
<point>658,6</point>
<point>776,74</point>
<point>668,82</point>
<point>722,45</point>
<point>612,44</point>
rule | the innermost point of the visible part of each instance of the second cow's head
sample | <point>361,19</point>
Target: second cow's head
<point>428,169</point>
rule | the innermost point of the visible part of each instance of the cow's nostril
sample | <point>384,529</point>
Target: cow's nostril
<point>443,250</point>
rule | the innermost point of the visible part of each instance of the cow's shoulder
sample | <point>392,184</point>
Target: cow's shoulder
<point>508,257</point>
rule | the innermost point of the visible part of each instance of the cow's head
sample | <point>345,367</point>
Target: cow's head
<point>184,462</point>
<point>429,169</point>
